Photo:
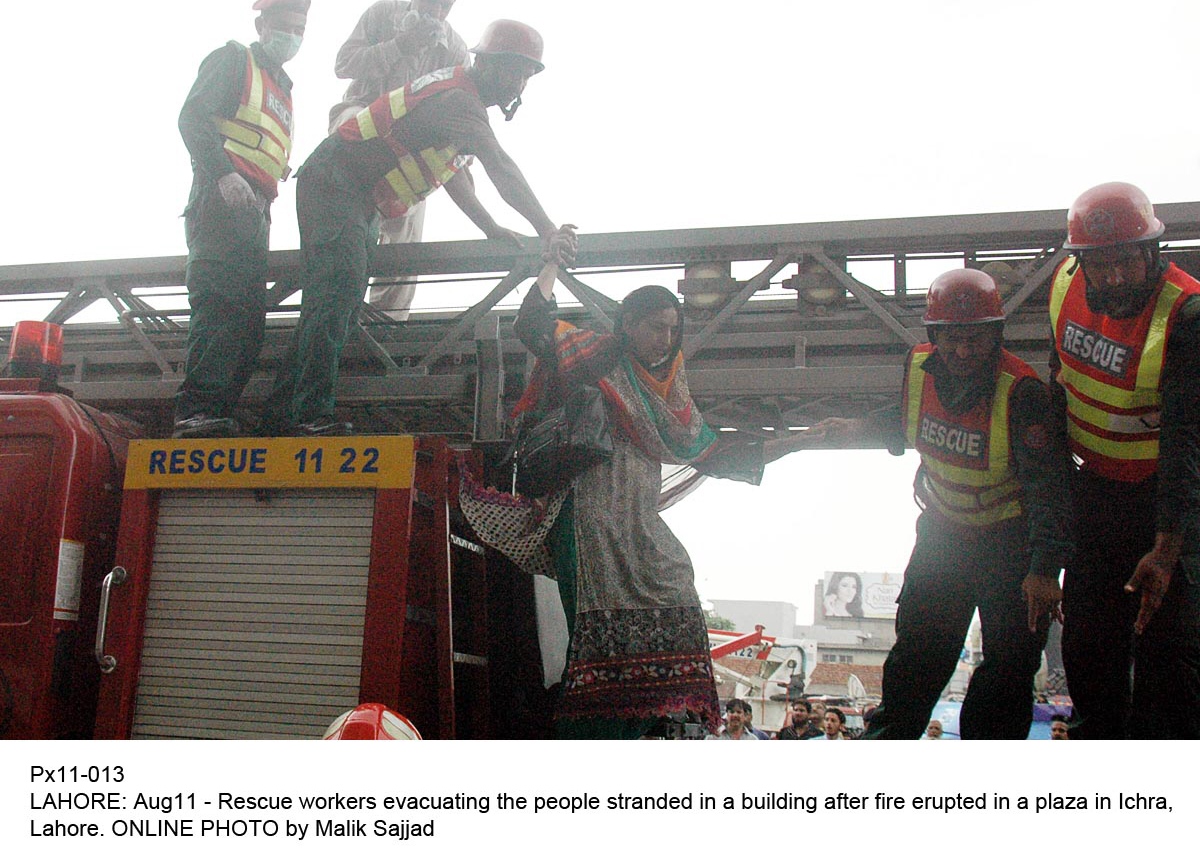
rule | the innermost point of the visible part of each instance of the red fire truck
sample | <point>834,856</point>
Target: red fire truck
<point>61,465</point>
<point>257,588</point>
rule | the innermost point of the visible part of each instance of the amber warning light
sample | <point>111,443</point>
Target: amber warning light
<point>35,351</point>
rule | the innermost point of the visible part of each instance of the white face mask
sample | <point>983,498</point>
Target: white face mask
<point>281,47</point>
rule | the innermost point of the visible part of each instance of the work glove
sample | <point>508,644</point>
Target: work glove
<point>236,192</point>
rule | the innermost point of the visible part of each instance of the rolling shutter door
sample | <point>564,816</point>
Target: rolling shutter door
<point>254,620</point>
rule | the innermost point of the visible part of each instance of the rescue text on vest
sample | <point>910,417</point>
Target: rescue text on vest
<point>1094,349</point>
<point>953,439</point>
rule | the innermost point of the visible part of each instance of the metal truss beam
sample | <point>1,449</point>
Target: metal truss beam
<point>756,362</point>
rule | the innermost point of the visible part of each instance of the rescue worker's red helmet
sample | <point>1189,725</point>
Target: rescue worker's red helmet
<point>1115,213</point>
<point>505,36</point>
<point>963,297</point>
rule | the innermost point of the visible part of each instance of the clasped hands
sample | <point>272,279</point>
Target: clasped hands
<point>561,246</point>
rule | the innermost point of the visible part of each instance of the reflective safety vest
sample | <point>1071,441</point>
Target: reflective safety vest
<point>258,139</point>
<point>966,470</point>
<point>1112,373</point>
<point>415,176</point>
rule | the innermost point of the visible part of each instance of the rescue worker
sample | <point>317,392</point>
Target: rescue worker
<point>1127,357</point>
<point>394,42</point>
<point>237,126</point>
<point>992,534</point>
<point>387,158</point>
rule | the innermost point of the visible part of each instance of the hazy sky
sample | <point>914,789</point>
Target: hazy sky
<point>656,115</point>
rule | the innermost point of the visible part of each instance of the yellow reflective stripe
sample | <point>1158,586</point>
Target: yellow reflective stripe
<point>256,82</point>
<point>990,497</point>
<point>998,449</point>
<point>257,157</point>
<point>982,518</point>
<point>961,476</point>
<point>439,162</point>
<point>916,388</point>
<point>400,187</point>
<point>239,133</point>
<point>265,121</point>
<point>253,138</point>
<point>1151,364</point>
<point>1115,449</point>
<point>1112,395</point>
<point>396,104</point>
<point>366,124</point>
<point>255,115</point>
<point>246,143</point>
<point>274,150</point>
<point>1058,291</point>
<point>1123,423</point>
<point>412,173</point>
<point>968,501</point>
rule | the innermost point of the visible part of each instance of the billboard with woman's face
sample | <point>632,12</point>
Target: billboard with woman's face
<point>849,594</point>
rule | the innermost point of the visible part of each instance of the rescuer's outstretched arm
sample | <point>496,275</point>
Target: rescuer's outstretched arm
<point>461,188</point>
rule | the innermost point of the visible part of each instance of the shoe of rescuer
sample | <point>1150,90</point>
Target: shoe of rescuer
<point>205,427</point>
<point>324,426</point>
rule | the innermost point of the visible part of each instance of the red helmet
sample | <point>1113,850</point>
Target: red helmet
<point>1115,213</point>
<point>371,722</point>
<point>512,37</point>
<point>962,297</point>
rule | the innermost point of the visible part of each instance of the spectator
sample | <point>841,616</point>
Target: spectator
<point>798,727</point>
<point>816,712</point>
<point>835,725</point>
<point>1059,728</point>
<point>737,722</point>
<point>762,735</point>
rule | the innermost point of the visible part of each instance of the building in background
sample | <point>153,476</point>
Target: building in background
<point>840,655</point>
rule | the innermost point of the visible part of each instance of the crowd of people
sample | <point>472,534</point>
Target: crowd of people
<point>806,720</point>
<point>1096,472</point>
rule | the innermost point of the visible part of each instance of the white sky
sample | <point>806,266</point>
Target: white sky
<point>657,115</point>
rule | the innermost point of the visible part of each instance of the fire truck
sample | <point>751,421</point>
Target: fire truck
<point>61,465</point>
<point>254,588</point>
